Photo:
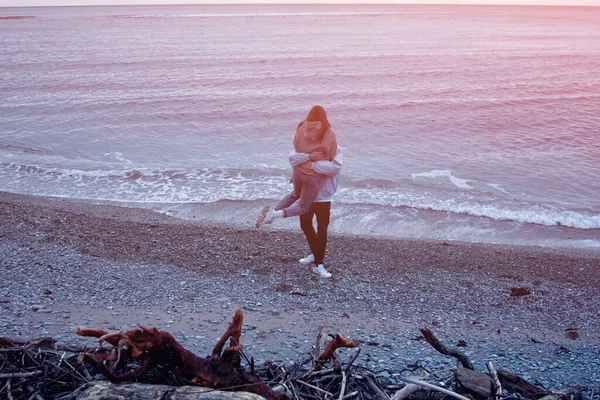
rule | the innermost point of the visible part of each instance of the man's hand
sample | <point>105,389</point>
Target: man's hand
<point>317,155</point>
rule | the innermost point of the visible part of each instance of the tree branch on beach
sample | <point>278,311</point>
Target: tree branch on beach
<point>222,370</point>
<point>42,369</point>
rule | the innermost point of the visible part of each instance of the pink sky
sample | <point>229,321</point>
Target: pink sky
<point>10,3</point>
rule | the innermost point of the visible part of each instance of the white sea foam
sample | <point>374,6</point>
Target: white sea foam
<point>474,206</point>
<point>213,185</point>
<point>117,156</point>
<point>438,173</point>
<point>499,188</point>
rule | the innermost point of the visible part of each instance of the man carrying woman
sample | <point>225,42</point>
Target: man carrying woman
<point>321,206</point>
<point>315,149</point>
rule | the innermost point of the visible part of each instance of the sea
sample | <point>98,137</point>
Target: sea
<point>457,123</point>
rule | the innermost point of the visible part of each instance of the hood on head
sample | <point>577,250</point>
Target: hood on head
<point>311,131</point>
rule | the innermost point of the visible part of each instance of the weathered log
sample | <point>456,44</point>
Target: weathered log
<point>152,347</point>
<point>494,375</point>
<point>133,391</point>
<point>569,393</point>
<point>406,391</point>
<point>426,394</point>
<point>434,341</point>
<point>434,387</point>
<point>476,382</point>
<point>519,385</point>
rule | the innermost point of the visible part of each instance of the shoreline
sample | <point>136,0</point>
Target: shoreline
<point>350,223</point>
<point>69,263</point>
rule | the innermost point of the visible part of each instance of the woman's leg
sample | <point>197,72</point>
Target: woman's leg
<point>308,187</point>
<point>288,200</point>
<point>297,202</point>
<point>306,224</point>
<point>323,213</point>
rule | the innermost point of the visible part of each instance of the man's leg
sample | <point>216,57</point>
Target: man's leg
<point>306,224</point>
<point>323,212</point>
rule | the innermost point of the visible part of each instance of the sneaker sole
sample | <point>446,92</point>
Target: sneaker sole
<point>262,216</point>
<point>322,276</point>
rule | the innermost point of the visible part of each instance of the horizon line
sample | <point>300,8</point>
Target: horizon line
<point>495,3</point>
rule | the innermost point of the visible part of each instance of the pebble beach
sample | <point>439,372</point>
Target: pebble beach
<point>70,263</point>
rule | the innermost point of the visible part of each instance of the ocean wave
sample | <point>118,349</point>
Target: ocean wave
<point>145,184</point>
<point>66,172</point>
<point>256,14</point>
<point>436,173</point>
<point>533,214</point>
<point>131,174</point>
<point>20,149</point>
<point>131,16</point>
<point>13,17</point>
<point>470,203</point>
<point>542,99</point>
<point>215,184</point>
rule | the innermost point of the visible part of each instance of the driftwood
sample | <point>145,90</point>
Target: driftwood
<point>497,392</point>
<point>406,391</point>
<point>43,369</point>
<point>519,385</point>
<point>39,369</point>
<point>435,388</point>
<point>337,342</point>
<point>476,382</point>
<point>222,370</point>
<point>568,393</point>
<point>433,340</point>
<point>497,381</point>
<point>154,348</point>
<point>102,390</point>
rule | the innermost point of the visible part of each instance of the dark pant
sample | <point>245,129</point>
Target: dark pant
<point>316,240</point>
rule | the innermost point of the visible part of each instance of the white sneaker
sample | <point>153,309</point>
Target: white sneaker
<point>270,217</point>
<point>267,216</point>
<point>321,271</point>
<point>309,259</point>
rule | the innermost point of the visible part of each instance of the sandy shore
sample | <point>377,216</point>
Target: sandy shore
<point>68,263</point>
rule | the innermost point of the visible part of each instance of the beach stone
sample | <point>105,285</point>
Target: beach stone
<point>417,284</point>
<point>139,391</point>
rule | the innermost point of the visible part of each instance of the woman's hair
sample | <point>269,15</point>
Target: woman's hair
<point>317,113</point>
